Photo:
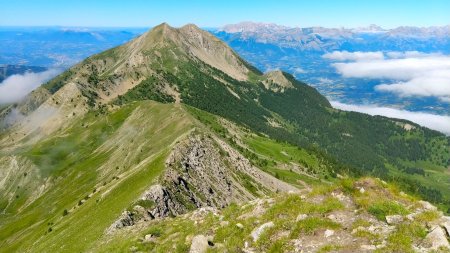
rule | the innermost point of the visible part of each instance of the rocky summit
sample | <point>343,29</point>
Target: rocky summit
<point>173,143</point>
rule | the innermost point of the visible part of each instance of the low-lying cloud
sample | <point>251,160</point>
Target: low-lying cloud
<point>432,121</point>
<point>16,87</point>
<point>353,56</point>
<point>412,73</point>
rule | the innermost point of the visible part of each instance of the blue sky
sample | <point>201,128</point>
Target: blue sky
<point>302,13</point>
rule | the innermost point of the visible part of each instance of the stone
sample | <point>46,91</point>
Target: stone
<point>427,206</point>
<point>125,220</point>
<point>394,219</point>
<point>411,216</point>
<point>436,239</point>
<point>368,247</point>
<point>301,217</point>
<point>199,244</point>
<point>328,233</point>
<point>149,238</point>
<point>256,233</point>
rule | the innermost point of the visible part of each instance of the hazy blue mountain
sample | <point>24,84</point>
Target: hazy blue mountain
<point>58,46</point>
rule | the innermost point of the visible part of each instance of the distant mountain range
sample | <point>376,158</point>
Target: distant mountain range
<point>300,51</point>
<point>370,38</point>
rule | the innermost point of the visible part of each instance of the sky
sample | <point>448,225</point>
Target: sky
<point>297,13</point>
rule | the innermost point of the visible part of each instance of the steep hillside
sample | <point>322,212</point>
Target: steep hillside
<point>77,183</point>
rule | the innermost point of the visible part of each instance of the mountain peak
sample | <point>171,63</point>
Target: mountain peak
<point>276,81</point>
<point>191,26</point>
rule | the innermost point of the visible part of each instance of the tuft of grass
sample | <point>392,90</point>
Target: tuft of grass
<point>427,216</point>
<point>372,237</point>
<point>348,185</point>
<point>311,225</point>
<point>402,239</point>
<point>329,248</point>
<point>380,209</point>
<point>361,223</point>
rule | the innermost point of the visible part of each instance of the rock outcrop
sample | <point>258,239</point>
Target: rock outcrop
<point>202,172</point>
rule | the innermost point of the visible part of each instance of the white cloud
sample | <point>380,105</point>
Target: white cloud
<point>353,56</point>
<point>323,80</point>
<point>432,121</point>
<point>434,83</point>
<point>409,54</point>
<point>299,70</point>
<point>16,87</point>
<point>413,73</point>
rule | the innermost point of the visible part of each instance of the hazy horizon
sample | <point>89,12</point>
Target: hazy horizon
<point>138,13</point>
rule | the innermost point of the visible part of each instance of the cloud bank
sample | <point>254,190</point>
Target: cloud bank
<point>413,73</point>
<point>16,87</point>
<point>432,121</point>
<point>353,56</point>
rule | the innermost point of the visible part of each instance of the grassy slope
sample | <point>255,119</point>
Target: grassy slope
<point>72,161</point>
<point>77,163</point>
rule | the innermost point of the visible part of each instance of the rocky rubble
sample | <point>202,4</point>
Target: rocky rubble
<point>334,220</point>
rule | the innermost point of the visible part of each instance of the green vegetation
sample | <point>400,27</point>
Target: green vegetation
<point>309,225</point>
<point>71,161</point>
<point>58,82</point>
<point>402,239</point>
<point>148,89</point>
<point>381,209</point>
<point>233,227</point>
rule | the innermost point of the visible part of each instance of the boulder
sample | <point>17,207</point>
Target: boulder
<point>199,244</point>
<point>394,219</point>
<point>256,233</point>
<point>436,239</point>
<point>427,206</point>
<point>149,238</point>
